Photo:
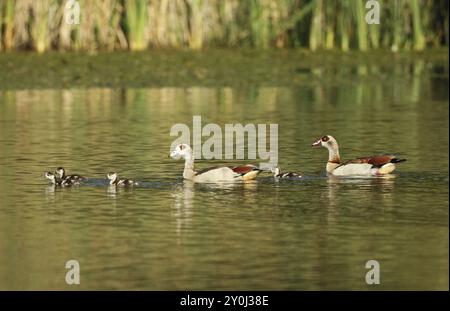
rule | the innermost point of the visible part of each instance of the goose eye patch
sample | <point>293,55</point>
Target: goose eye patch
<point>325,138</point>
<point>181,147</point>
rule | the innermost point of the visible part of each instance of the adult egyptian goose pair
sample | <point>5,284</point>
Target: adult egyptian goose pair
<point>364,166</point>
<point>212,174</point>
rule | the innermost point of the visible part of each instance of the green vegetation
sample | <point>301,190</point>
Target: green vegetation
<point>209,68</point>
<point>136,22</point>
<point>196,24</point>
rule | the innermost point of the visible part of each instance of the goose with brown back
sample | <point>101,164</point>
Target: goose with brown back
<point>212,174</point>
<point>363,166</point>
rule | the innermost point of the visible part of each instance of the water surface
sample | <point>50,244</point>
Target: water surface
<point>167,234</point>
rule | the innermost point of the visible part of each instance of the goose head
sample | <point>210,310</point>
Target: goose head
<point>331,144</point>
<point>326,141</point>
<point>112,176</point>
<point>182,151</point>
<point>60,172</point>
<point>50,176</point>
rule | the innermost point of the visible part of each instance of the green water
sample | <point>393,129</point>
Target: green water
<point>167,234</point>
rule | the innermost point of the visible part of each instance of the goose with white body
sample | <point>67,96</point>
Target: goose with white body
<point>363,166</point>
<point>212,174</point>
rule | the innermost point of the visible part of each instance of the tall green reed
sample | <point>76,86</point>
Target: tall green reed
<point>136,19</point>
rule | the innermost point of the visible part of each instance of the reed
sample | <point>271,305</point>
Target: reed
<point>344,22</point>
<point>419,39</point>
<point>396,25</point>
<point>8,24</point>
<point>330,21</point>
<point>136,23</point>
<point>1,23</point>
<point>228,26</point>
<point>315,35</point>
<point>196,24</point>
<point>41,15</point>
<point>260,23</point>
<point>361,25</point>
<point>109,15</point>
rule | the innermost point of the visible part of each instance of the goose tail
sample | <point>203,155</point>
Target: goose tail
<point>397,160</point>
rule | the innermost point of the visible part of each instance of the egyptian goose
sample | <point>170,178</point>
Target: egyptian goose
<point>365,166</point>
<point>115,181</point>
<point>278,174</point>
<point>61,174</point>
<point>212,174</point>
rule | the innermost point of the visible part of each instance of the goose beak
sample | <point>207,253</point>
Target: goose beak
<point>174,155</point>
<point>317,144</point>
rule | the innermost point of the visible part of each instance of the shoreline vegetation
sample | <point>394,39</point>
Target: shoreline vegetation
<point>213,68</point>
<point>136,25</point>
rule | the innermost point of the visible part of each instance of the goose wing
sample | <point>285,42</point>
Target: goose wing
<point>241,170</point>
<point>228,172</point>
<point>244,169</point>
<point>376,161</point>
<point>206,170</point>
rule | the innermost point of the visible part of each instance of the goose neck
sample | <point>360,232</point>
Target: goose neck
<point>333,154</point>
<point>189,172</point>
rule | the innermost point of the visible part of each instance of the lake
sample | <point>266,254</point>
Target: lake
<point>316,233</point>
